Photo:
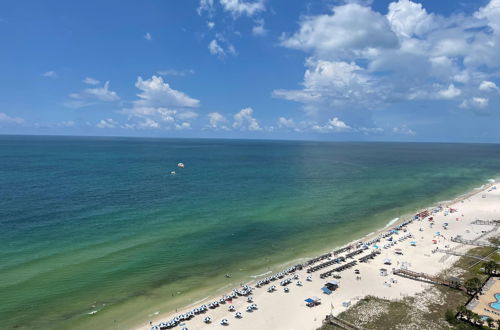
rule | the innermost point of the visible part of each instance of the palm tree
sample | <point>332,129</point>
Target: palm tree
<point>490,322</point>
<point>468,314</point>
<point>490,267</point>
<point>473,285</point>
<point>476,319</point>
<point>461,310</point>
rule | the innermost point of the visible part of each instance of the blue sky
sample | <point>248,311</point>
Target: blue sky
<point>329,70</point>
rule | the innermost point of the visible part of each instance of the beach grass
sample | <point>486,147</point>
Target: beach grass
<point>434,308</point>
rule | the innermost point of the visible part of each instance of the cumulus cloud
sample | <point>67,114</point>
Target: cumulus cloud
<point>215,48</point>
<point>332,84</point>
<point>286,123</point>
<point>91,81</point>
<point>245,121</point>
<point>475,102</point>
<point>50,74</point>
<point>160,106</point>
<point>148,36</point>
<point>241,7</point>
<point>333,125</point>
<point>157,93</point>
<point>103,94</point>
<point>409,19</point>
<point>449,93</point>
<point>174,72</point>
<point>5,119</point>
<point>259,29</point>
<point>404,130</point>
<point>488,86</point>
<point>107,123</point>
<point>217,121</point>
<point>358,58</point>
<point>350,30</point>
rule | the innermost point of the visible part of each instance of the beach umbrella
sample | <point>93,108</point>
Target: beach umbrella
<point>238,315</point>
<point>231,308</point>
<point>250,299</point>
<point>249,309</point>
<point>207,319</point>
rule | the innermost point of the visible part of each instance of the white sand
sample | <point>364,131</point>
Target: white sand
<point>280,310</point>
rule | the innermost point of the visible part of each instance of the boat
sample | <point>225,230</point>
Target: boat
<point>180,165</point>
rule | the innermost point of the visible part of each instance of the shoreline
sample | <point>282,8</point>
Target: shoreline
<point>392,223</point>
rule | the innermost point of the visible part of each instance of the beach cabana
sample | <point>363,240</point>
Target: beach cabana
<point>311,302</point>
<point>387,261</point>
<point>383,272</point>
<point>326,290</point>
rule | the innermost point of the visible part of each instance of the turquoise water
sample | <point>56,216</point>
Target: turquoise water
<point>100,224</point>
<point>496,304</point>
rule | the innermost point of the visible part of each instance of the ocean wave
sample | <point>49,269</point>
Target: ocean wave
<point>391,222</point>
<point>259,275</point>
<point>491,180</point>
<point>199,301</point>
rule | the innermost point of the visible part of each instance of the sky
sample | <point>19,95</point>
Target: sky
<point>254,69</point>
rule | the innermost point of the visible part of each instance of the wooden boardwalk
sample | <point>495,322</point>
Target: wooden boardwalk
<point>460,254</point>
<point>486,222</point>
<point>475,242</point>
<point>424,277</point>
<point>340,323</point>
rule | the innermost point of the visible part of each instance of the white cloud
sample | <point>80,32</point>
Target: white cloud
<point>475,102</point>
<point>409,19</point>
<point>217,121</point>
<point>215,48</point>
<point>183,126</point>
<point>158,105</point>
<point>210,25</point>
<point>449,93</point>
<point>351,29</point>
<point>488,86</point>
<point>174,72</point>
<point>148,36</point>
<point>103,93</point>
<point>85,97</point>
<point>50,74</point>
<point>404,130</point>
<point>331,84</point>
<point>157,93</point>
<point>286,123</point>
<point>241,7</point>
<point>91,81</point>
<point>205,5</point>
<point>107,123</point>
<point>480,102</point>
<point>259,29</point>
<point>5,119</point>
<point>244,120</point>
<point>333,125</point>
<point>359,58</point>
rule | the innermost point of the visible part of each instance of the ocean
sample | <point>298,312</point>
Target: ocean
<point>96,233</point>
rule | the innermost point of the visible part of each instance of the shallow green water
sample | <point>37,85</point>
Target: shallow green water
<point>100,224</point>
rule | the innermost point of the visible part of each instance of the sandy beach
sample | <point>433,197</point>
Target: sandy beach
<point>287,310</point>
